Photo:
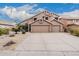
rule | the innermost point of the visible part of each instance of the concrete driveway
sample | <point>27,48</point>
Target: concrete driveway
<point>47,44</point>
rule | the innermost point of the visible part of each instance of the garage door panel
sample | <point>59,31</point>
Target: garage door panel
<point>55,28</point>
<point>41,28</point>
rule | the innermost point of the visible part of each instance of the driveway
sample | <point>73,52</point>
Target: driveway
<point>47,44</point>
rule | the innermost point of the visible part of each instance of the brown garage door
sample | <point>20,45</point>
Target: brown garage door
<point>55,28</point>
<point>40,28</point>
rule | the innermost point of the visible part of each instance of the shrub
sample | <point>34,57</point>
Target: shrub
<point>23,31</point>
<point>15,30</point>
<point>74,31</point>
<point>71,31</point>
<point>1,31</point>
<point>24,27</point>
<point>4,31</point>
<point>21,28</point>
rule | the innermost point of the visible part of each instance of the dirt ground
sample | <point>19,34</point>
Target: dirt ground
<point>18,38</point>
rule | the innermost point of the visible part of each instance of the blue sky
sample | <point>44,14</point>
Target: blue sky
<point>54,7</point>
<point>21,11</point>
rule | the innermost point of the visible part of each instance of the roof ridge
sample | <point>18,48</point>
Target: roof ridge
<point>38,14</point>
<point>57,21</point>
<point>32,17</point>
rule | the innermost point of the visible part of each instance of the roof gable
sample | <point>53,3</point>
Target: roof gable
<point>44,13</point>
<point>56,22</point>
<point>44,22</point>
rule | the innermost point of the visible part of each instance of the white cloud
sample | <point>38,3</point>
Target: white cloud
<point>22,12</point>
<point>27,7</point>
<point>39,10</point>
<point>19,12</point>
<point>73,14</point>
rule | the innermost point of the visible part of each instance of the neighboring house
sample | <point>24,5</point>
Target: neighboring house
<point>47,22</point>
<point>72,26</point>
<point>71,20</point>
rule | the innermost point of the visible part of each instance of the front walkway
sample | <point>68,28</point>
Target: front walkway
<point>46,44</point>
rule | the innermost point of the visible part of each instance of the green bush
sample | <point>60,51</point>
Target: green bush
<point>1,31</point>
<point>71,31</point>
<point>74,31</point>
<point>15,30</point>
<point>4,31</point>
<point>21,28</point>
<point>24,27</point>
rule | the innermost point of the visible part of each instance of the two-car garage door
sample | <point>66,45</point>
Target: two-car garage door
<point>40,28</point>
<point>45,28</point>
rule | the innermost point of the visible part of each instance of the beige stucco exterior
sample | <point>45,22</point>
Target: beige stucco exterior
<point>57,26</point>
<point>46,26</point>
<point>41,24</point>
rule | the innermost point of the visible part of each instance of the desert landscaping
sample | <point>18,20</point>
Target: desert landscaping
<point>40,38</point>
<point>43,34</point>
<point>26,43</point>
<point>17,39</point>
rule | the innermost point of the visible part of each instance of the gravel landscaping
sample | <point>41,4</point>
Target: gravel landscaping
<point>15,40</point>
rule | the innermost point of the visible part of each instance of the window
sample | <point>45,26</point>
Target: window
<point>35,19</point>
<point>40,21</point>
<point>43,16</point>
<point>46,18</point>
<point>56,18</point>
